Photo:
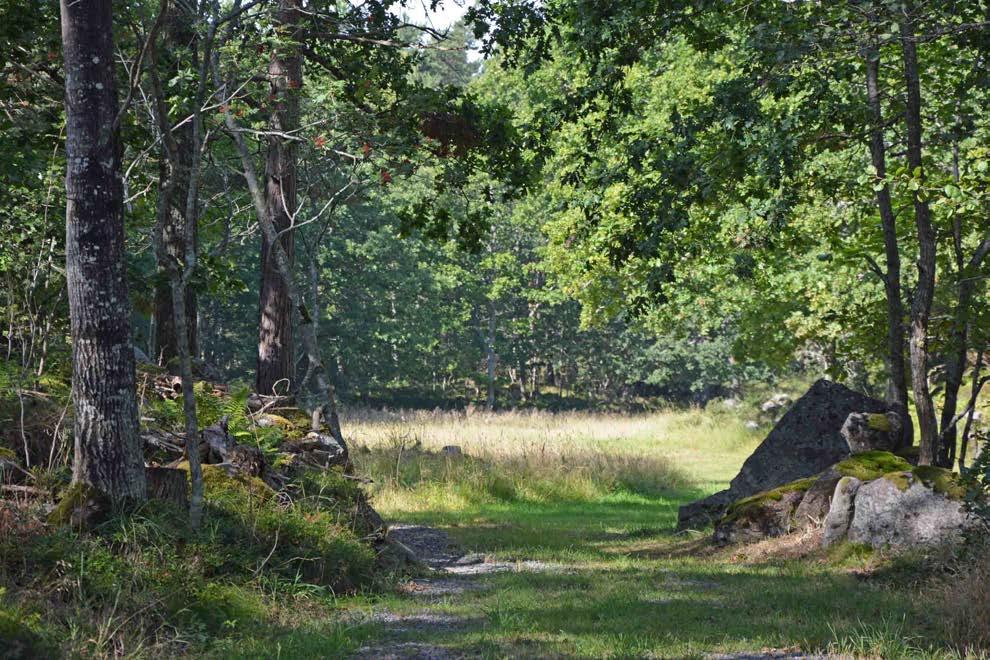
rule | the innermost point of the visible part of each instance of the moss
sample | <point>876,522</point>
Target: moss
<point>217,482</point>
<point>749,505</point>
<point>75,497</point>
<point>940,480</point>
<point>901,480</point>
<point>871,465</point>
<point>279,421</point>
<point>878,422</point>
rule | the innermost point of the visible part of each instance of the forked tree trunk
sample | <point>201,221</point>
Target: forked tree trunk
<point>897,386</point>
<point>275,354</point>
<point>925,290</point>
<point>108,448</point>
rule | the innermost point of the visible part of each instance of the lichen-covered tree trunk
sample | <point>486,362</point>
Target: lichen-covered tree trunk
<point>275,354</point>
<point>925,290</point>
<point>108,451</point>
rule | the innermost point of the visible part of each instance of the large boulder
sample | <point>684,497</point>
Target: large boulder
<point>910,509</point>
<point>806,441</point>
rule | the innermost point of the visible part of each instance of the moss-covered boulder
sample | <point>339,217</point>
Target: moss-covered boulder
<point>908,509</point>
<point>766,514</point>
<point>806,441</point>
<point>866,431</point>
<point>807,503</point>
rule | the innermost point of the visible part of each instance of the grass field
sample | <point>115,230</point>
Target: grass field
<point>596,498</point>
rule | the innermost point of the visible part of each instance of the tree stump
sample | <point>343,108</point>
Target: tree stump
<point>167,484</point>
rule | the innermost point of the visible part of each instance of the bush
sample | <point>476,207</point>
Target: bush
<point>976,480</point>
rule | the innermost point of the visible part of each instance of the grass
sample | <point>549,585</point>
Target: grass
<point>597,495</point>
<point>593,495</point>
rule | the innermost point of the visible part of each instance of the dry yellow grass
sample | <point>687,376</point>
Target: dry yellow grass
<point>541,456</point>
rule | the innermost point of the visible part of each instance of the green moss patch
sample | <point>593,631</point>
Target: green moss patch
<point>871,465</point>
<point>748,506</point>
<point>940,480</point>
<point>878,422</point>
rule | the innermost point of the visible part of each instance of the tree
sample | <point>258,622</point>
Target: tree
<point>275,348</point>
<point>173,181</point>
<point>108,447</point>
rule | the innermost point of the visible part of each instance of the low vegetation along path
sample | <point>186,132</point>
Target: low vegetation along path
<point>522,569</point>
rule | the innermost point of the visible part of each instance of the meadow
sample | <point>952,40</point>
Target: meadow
<point>592,499</point>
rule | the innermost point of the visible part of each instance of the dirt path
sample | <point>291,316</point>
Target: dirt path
<point>453,572</point>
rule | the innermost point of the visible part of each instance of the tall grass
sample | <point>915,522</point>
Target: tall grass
<point>539,456</point>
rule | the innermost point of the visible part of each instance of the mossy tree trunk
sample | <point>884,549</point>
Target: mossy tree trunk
<point>108,448</point>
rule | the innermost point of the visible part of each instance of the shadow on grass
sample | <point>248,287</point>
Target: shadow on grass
<point>674,611</point>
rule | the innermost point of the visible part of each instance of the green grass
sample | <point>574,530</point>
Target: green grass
<point>593,495</point>
<point>629,586</point>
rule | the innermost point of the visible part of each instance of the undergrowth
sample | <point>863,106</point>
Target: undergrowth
<point>141,583</point>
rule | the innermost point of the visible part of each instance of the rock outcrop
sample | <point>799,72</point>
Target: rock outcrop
<point>874,498</point>
<point>840,512</point>
<point>806,441</point>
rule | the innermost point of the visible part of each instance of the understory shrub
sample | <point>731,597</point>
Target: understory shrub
<point>142,580</point>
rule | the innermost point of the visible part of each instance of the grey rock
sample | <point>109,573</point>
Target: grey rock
<point>702,513</point>
<point>805,442</point>
<point>814,507</point>
<point>452,450</point>
<point>885,515</point>
<point>141,357</point>
<point>840,512</point>
<point>767,518</point>
<point>775,403</point>
<point>872,431</point>
<point>752,425</point>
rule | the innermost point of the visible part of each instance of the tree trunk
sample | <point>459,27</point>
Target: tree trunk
<point>490,355</point>
<point>958,350</point>
<point>108,447</point>
<point>173,191</point>
<point>924,292</point>
<point>897,386</point>
<point>275,355</point>
<point>284,268</point>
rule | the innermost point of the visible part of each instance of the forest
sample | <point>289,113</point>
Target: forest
<point>495,328</point>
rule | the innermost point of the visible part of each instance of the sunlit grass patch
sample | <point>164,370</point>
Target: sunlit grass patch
<point>536,456</point>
